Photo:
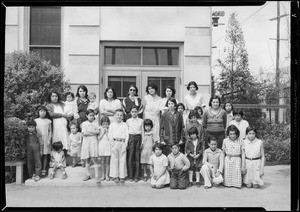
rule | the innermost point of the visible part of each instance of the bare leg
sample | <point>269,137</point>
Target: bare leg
<point>107,161</point>
<point>102,167</point>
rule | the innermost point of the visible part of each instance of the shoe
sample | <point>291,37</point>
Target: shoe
<point>64,175</point>
<point>116,180</point>
<point>43,173</point>
<point>107,178</point>
<point>51,176</point>
<point>198,184</point>
<point>83,164</point>
<point>98,180</point>
<point>74,164</point>
<point>145,179</point>
<point>37,178</point>
<point>122,180</point>
<point>136,180</point>
<point>190,184</point>
<point>88,177</point>
<point>33,176</point>
<point>206,187</point>
<point>130,180</point>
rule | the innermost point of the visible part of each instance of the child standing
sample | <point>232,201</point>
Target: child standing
<point>74,143</point>
<point>89,148</point>
<point>234,158</point>
<point>104,147</point>
<point>158,167</point>
<point>70,108</point>
<point>240,123</point>
<point>135,126</point>
<point>194,149</point>
<point>228,107</point>
<point>118,136</point>
<point>94,105</point>
<point>184,113</point>
<point>193,122</point>
<point>200,112</point>
<point>58,160</point>
<point>34,149</point>
<point>43,127</point>
<point>146,146</point>
<point>178,166</point>
<point>255,159</point>
<point>212,167</point>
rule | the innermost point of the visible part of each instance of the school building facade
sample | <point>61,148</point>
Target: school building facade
<point>119,46</point>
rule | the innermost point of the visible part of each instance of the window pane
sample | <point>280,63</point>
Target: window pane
<point>122,56</point>
<point>163,57</point>
<point>150,56</point>
<point>127,82</point>
<point>161,83</point>
<point>45,35</point>
<point>115,82</point>
<point>132,56</point>
<point>175,57</point>
<point>121,84</point>
<point>108,56</point>
<point>156,81</point>
<point>55,57</point>
<point>117,56</point>
<point>55,35</point>
<point>160,56</point>
<point>35,38</point>
<point>52,54</point>
<point>35,15</point>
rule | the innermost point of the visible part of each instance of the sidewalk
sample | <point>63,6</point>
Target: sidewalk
<point>275,195</point>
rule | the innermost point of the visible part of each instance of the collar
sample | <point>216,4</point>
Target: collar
<point>214,152</point>
<point>212,115</point>
<point>175,155</point>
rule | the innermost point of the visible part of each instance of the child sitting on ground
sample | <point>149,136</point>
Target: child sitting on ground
<point>213,161</point>
<point>178,166</point>
<point>58,160</point>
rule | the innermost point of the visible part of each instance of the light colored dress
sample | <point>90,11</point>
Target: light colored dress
<point>71,108</point>
<point>43,127</point>
<point>152,112</point>
<point>110,105</point>
<point>89,146</point>
<point>74,144</point>
<point>94,106</point>
<point>58,159</point>
<point>192,101</point>
<point>233,162</point>
<point>252,150</point>
<point>60,131</point>
<point>242,126</point>
<point>148,142</point>
<point>159,163</point>
<point>104,144</point>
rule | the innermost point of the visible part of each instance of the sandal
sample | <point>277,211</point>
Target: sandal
<point>88,177</point>
<point>37,178</point>
<point>64,175</point>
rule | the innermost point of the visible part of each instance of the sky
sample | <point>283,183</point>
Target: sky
<point>257,30</point>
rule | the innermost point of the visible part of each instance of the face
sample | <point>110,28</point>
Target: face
<point>215,103</point>
<point>69,98</point>
<point>251,135</point>
<point>192,89</point>
<point>54,97</point>
<point>147,128</point>
<point>42,113</point>
<point>82,93</point>
<point>169,92</point>
<point>132,91</point>
<point>110,94</point>
<point>31,128</point>
<point>238,117</point>
<point>92,98</point>
<point>199,111</point>
<point>180,109</point>
<point>193,119</point>
<point>232,135</point>
<point>175,150</point>
<point>91,117</point>
<point>73,129</point>
<point>105,125</point>
<point>158,151</point>
<point>59,150</point>
<point>171,105</point>
<point>119,116</point>
<point>134,113</point>
<point>228,107</point>
<point>213,145</point>
<point>151,90</point>
<point>193,136</point>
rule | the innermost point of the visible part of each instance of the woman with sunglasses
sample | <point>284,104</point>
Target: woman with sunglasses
<point>132,100</point>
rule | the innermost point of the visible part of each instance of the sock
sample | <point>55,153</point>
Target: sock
<point>87,168</point>
<point>96,168</point>
<point>191,176</point>
<point>197,177</point>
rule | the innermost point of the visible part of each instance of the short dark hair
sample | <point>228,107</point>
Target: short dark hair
<point>104,119</point>
<point>74,124</point>
<point>58,96</point>
<point>31,122</point>
<point>176,144</point>
<point>113,90</point>
<point>212,139</point>
<point>227,102</point>
<point>152,85</point>
<point>199,108</point>
<point>251,128</point>
<point>193,130</point>
<point>192,83</point>
<point>171,88</point>
<point>42,107</point>
<point>89,111</point>
<point>57,145</point>
<point>212,98</point>
<point>233,128</point>
<point>180,104</point>
<point>238,112</point>
<point>148,122</point>
<point>194,113</point>
<point>119,110</point>
<point>83,87</point>
<point>69,93</point>
<point>136,89</point>
<point>172,100</point>
<point>157,145</point>
<point>134,107</point>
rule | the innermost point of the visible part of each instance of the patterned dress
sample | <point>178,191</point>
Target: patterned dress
<point>233,162</point>
<point>89,146</point>
<point>148,142</point>
<point>82,108</point>
<point>252,150</point>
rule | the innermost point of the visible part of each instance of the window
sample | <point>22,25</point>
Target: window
<point>45,29</point>
<point>121,84</point>
<point>161,83</point>
<point>141,56</point>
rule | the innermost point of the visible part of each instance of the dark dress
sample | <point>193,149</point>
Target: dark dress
<point>82,109</point>
<point>127,105</point>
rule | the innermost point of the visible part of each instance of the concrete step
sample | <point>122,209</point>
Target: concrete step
<point>74,172</point>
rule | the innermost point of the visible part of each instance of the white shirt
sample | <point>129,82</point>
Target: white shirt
<point>192,101</point>
<point>242,126</point>
<point>118,130</point>
<point>135,125</point>
<point>70,108</point>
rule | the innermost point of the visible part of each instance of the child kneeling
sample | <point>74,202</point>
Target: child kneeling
<point>58,160</point>
<point>212,167</point>
<point>178,165</point>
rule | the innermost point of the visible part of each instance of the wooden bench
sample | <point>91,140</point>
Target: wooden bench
<point>19,169</point>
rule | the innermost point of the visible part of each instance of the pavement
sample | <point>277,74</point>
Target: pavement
<point>274,195</point>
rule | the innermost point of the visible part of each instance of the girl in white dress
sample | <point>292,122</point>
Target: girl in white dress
<point>109,104</point>
<point>194,98</point>
<point>158,167</point>
<point>43,127</point>
<point>104,148</point>
<point>254,159</point>
<point>89,148</point>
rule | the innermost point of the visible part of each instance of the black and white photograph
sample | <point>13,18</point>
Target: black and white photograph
<point>148,106</point>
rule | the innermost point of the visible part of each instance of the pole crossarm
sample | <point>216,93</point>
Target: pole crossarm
<point>273,19</point>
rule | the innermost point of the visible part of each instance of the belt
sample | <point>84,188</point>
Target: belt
<point>120,140</point>
<point>233,155</point>
<point>253,158</point>
<point>135,135</point>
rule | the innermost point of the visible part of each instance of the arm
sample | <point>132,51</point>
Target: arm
<point>186,163</point>
<point>243,160</point>
<point>221,163</point>
<point>63,160</point>
<point>49,133</point>
<point>204,123</point>
<point>182,133</point>
<point>75,110</point>
<point>126,134</point>
<point>204,160</point>
<point>224,119</point>
<point>50,109</point>
<point>103,111</point>
<point>161,130</point>
<point>263,159</point>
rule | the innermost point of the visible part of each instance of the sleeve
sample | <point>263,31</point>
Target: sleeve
<point>165,161</point>
<point>224,119</point>
<point>186,163</point>
<point>161,129</point>
<point>69,142</point>
<point>187,150</point>
<point>51,111</point>
<point>50,132</point>
<point>204,123</point>
<point>83,127</point>
<point>110,132</point>
<point>124,106</point>
<point>63,160</point>
<point>119,104</point>
<point>221,162</point>
<point>224,146</point>
<point>126,133</point>
<point>182,133</point>
<point>186,103</point>
<point>141,107</point>
<point>151,160</point>
<point>204,160</point>
<point>101,106</point>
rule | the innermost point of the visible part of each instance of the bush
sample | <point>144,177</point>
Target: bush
<point>28,80</point>
<point>14,139</point>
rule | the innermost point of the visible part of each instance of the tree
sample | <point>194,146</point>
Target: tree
<point>28,81</point>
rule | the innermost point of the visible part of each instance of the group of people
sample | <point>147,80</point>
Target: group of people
<point>122,139</point>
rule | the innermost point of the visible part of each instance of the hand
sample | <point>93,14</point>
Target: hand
<point>217,174</point>
<point>164,143</point>
<point>244,170</point>
<point>261,173</point>
<point>155,177</point>
<point>192,155</point>
<point>196,156</point>
<point>180,142</point>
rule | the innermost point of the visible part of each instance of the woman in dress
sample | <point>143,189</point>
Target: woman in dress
<point>132,100</point>
<point>152,105</point>
<point>194,98</point>
<point>59,120</point>
<point>169,92</point>
<point>82,103</point>
<point>109,104</point>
